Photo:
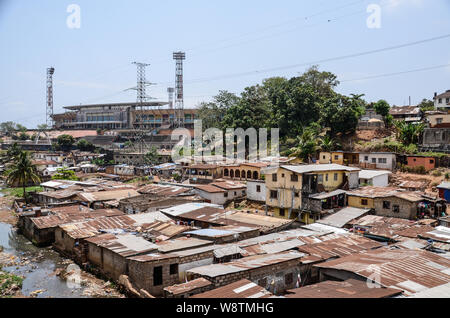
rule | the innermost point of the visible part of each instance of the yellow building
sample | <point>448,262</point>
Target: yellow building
<point>288,187</point>
<point>365,197</point>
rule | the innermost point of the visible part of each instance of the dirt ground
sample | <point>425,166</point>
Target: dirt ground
<point>6,213</point>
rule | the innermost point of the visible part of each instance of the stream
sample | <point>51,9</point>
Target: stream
<point>39,265</point>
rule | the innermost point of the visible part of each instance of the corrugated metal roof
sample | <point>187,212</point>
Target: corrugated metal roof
<point>245,264</point>
<point>343,217</point>
<point>240,289</point>
<point>351,288</point>
<point>369,174</point>
<point>442,291</point>
<point>124,244</point>
<point>319,168</point>
<point>188,207</point>
<point>188,287</point>
<point>181,244</point>
<point>409,270</point>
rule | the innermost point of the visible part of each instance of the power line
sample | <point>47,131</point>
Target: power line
<point>342,57</point>
<point>396,73</point>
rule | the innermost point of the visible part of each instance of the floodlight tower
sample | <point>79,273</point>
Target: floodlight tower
<point>179,57</point>
<point>49,107</point>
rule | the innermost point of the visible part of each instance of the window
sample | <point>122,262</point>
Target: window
<point>288,278</point>
<point>294,177</point>
<point>323,157</point>
<point>274,177</point>
<point>326,177</point>
<point>386,205</point>
<point>225,195</point>
<point>431,161</point>
<point>258,188</point>
<point>282,175</point>
<point>364,202</point>
<point>335,177</point>
<point>235,193</point>
<point>173,269</point>
<point>282,213</point>
<point>157,276</point>
<point>382,160</point>
<point>440,100</point>
<point>374,160</point>
<point>296,194</point>
<point>320,179</point>
<point>396,209</point>
<point>273,194</point>
<point>438,120</point>
<point>336,157</point>
<point>366,158</point>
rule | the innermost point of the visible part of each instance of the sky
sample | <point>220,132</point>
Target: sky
<point>229,45</point>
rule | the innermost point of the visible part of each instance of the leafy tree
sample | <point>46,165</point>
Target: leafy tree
<point>382,107</point>
<point>323,83</point>
<point>21,128</point>
<point>213,113</point>
<point>408,133</point>
<point>65,174</point>
<point>84,145</point>
<point>8,127</point>
<point>13,152</point>
<point>43,127</point>
<point>307,145</point>
<point>426,105</point>
<point>22,172</point>
<point>23,136</point>
<point>341,114</point>
<point>253,110</point>
<point>152,157</point>
<point>327,144</point>
<point>65,142</point>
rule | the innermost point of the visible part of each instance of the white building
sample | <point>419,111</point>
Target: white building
<point>378,160</point>
<point>377,178</point>
<point>256,190</point>
<point>221,192</point>
<point>442,101</point>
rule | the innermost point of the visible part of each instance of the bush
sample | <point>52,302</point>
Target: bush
<point>447,176</point>
<point>436,173</point>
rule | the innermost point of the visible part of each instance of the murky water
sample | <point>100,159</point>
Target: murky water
<point>39,273</point>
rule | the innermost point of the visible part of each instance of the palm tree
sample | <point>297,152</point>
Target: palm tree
<point>22,172</point>
<point>327,144</point>
<point>307,145</point>
<point>408,133</point>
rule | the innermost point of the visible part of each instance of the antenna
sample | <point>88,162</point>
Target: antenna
<point>49,107</point>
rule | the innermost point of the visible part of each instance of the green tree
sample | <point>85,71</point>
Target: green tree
<point>152,157</point>
<point>327,144</point>
<point>65,142</point>
<point>382,107</point>
<point>23,136</point>
<point>408,133</point>
<point>84,145</point>
<point>341,114</point>
<point>65,174</point>
<point>212,113</point>
<point>426,105</point>
<point>13,151</point>
<point>253,110</point>
<point>22,172</point>
<point>307,146</point>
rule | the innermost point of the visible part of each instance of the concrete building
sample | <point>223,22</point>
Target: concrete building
<point>121,116</point>
<point>442,101</point>
<point>289,187</point>
<point>378,160</point>
<point>375,178</point>
<point>436,139</point>
<point>256,191</point>
<point>409,114</point>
